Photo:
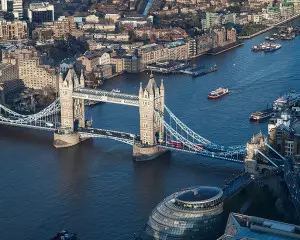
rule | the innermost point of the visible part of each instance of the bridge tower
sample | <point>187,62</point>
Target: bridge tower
<point>151,99</point>
<point>257,143</point>
<point>71,110</point>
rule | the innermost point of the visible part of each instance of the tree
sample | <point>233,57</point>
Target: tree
<point>153,38</point>
<point>120,28</point>
<point>132,36</point>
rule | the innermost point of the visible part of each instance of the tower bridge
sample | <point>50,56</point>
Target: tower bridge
<point>156,136</point>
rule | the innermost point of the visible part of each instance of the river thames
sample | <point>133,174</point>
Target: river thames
<point>96,190</point>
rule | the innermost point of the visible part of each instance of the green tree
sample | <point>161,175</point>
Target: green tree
<point>132,36</point>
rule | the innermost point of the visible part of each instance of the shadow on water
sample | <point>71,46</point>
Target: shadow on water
<point>149,176</point>
<point>25,135</point>
<point>73,167</point>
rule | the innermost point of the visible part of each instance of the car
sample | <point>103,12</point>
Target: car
<point>49,124</point>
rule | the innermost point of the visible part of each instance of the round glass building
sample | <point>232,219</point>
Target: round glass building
<point>191,213</point>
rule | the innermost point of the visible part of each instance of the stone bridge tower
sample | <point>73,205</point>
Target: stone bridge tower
<point>71,110</point>
<point>257,142</point>
<point>151,99</point>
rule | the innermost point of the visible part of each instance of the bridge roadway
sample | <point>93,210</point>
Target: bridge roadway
<point>124,137</point>
<point>41,125</point>
<point>105,96</point>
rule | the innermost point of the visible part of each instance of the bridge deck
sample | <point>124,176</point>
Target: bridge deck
<point>103,133</point>
<point>105,96</point>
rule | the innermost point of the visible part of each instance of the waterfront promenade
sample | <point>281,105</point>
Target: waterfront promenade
<point>269,28</point>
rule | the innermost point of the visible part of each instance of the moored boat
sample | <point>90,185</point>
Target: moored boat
<point>262,115</point>
<point>116,90</point>
<point>65,235</point>
<point>218,93</point>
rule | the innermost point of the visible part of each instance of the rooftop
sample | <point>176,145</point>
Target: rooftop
<point>248,227</point>
<point>199,194</point>
<point>35,6</point>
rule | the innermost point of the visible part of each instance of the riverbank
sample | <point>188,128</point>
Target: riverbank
<point>269,28</point>
<point>218,50</point>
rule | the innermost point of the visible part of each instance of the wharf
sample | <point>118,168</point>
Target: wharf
<point>180,68</point>
<point>196,72</point>
<point>218,50</point>
<point>167,67</point>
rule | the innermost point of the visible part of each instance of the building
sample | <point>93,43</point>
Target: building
<point>18,9</point>
<point>152,53</point>
<point>92,19</point>
<point>41,12</point>
<point>115,37</point>
<point>112,16</point>
<point>9,77</point>
<point>286,10</point>
<point>131,63</point>
<point>249,227</point>
<point>177,50</point>
<point>161,34</point>
<point>13,6</point>
<point>273,14</point>
<point>66,64</point>
<point>103,71</point>
<point>63,25</point>
<point>212,19</point>
<point>118,63</point>
<point>284,134</point>
<point>100,26</point>
<point>204,43</point>
<point>193,213</point>
<point>255,18</point>
<point>30,68</point>
<point>191,47</point>
<point>229,18</point>
<point>224,36</point>
<point>296,4</point>
<point>91,59</point>
<point>13,30</point>
<point>136,20</point>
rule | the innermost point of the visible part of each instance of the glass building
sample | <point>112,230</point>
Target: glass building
<point>193,213</point>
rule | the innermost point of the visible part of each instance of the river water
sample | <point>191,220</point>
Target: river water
<point>96,190</point>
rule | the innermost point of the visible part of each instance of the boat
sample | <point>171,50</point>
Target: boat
<point>218,93</point>
<point>255,49</point>
<point>292,91</point>
<point>65,235</point>
<point>267,38</point>
<point>212,69</point>
<point>262,115</point>
<point>272,48</point>
<point>116,90</point>
<point>285,101</point>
